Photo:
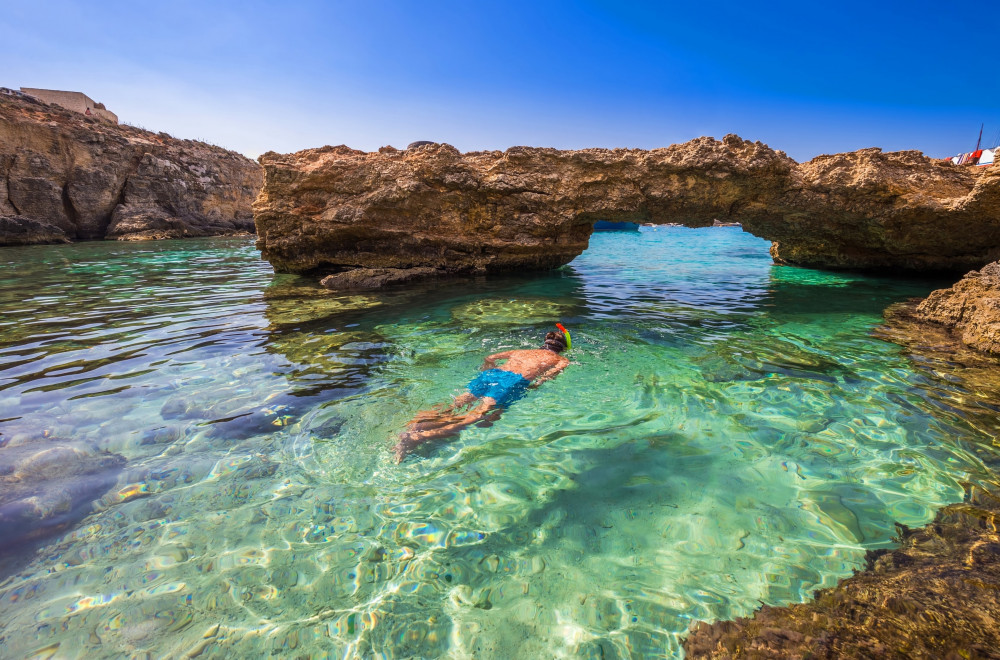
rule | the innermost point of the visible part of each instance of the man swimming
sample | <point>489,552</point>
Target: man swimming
<point>496,387</point>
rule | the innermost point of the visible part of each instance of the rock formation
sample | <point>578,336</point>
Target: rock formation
<point>897,211</point>
<point>65,176</point>
<point>335,209</point>
<point>970,309</point>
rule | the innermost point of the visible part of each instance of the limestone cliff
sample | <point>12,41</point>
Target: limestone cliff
<point>65,176</point>
<point>334,209</point>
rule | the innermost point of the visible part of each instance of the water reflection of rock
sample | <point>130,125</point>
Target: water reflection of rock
<point>324,335</point>
<point>48,485</point>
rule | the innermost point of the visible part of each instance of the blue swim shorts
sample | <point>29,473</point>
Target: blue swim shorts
<point>505,387</point>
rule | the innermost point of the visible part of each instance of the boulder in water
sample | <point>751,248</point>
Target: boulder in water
<point>47,486</point>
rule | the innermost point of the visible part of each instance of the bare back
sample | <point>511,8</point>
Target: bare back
<point>529,363</point>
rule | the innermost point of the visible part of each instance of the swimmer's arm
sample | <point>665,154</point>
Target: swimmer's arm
<point>491,360</point>
<point>550,373</point>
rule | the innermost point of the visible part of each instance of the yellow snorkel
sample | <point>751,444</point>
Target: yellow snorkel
<point>569,342</point>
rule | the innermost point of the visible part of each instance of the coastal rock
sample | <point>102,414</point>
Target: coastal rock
<point>335,209</point>
<point>887,211</point>
<point>65,176</point>
<point>18,230</point>
<point>970,308</point>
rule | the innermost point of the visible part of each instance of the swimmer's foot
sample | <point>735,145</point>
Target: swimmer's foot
<point>413,438</point>
<point>489,418</point>
<point>407,441</point>
<point>399,452</point>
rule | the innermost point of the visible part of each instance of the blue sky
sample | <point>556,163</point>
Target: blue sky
<point>808,78</point>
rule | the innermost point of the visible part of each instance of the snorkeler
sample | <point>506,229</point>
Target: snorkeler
<point>495,388</point>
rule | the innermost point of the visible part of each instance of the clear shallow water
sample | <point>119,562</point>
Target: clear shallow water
<point>728,434</point>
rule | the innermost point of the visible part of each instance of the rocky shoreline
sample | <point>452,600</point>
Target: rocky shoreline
<point>65,176</point>
<point>970,309</point>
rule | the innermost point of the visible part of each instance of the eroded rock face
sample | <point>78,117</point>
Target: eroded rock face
<point>64,176</point>
<point>970,309</point>
<point>336,209</point>
<point>893,211</point>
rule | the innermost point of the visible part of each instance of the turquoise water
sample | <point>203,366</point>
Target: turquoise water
<point>729,433</point>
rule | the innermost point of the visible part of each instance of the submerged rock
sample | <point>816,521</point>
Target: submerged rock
<point>374,278</point>
<point>49,485</point>
<point>66,176</point>
<point>934,596</point>
<point>335,209</point>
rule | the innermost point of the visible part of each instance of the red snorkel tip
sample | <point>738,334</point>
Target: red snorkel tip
<point>569,342</point>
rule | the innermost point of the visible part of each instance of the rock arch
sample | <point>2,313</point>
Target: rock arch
<point>412,213</point>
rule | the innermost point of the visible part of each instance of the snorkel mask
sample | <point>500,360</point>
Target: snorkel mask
<point>569,342</point>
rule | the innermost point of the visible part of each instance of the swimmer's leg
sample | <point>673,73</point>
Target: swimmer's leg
<point>413,438</point>
<point>442,413</point>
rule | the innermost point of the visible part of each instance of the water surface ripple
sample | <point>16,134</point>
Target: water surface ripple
<point>729,434</point>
